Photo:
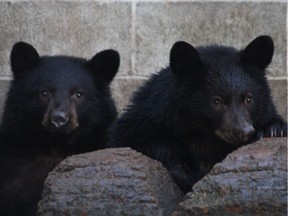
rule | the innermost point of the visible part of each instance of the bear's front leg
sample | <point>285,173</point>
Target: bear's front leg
<point>176,157</point>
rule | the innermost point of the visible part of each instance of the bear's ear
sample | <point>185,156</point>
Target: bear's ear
<point>259,52</point>
<point>184,58</point>
<point>105,64</point>
<point>23,57</point>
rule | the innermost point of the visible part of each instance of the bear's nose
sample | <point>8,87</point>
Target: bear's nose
<point>247,132</point>
<point>59,119</point>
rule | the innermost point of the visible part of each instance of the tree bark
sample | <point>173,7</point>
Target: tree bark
<point>109,182</point>
<point>250,181</point>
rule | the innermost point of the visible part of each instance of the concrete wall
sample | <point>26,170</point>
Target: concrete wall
<point>143,32</point>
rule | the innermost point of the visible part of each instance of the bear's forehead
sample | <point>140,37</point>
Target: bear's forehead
<point>232,83</point>
<point>214,53</point>
<point>229,78</point>
<point>61,72</point>
<point>61,66</point>
<point>226,65</point>
<point>224,69</point>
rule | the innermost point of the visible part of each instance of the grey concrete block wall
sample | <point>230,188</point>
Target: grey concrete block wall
<point>159,25</point>
<point>143,32</point>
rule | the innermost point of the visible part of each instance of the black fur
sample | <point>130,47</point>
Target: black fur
<point>56,106</point>
<point>210,101</point>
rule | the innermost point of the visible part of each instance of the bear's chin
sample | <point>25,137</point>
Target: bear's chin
<point>65,130</point>
<point>230,138</point>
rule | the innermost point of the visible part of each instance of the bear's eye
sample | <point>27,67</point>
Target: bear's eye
<point>79,94</point>
<point>248,99</point>
<point>44,93</point>
<point>217,101</point>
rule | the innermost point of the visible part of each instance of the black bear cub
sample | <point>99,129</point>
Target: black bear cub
<point>207,103</point>
<point>56,106</point>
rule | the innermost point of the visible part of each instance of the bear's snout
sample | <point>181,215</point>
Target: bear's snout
<point>59,119</point>
<point>236,135</point>
<point>246,132</point>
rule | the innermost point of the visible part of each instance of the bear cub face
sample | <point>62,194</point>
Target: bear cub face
<point>224,88</point>
<point>66,97</point>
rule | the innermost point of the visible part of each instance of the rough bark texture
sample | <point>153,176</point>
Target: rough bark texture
<point>250,181</point>
<point>109,182</point>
